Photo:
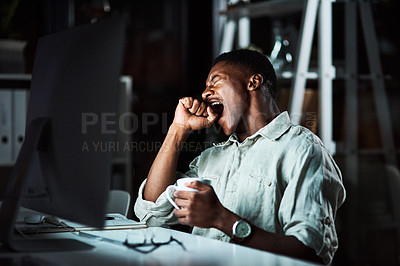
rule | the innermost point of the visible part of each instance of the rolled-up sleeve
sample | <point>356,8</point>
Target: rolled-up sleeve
<point>312,196</point>
<point>160,213</point>
<point>154,213</point>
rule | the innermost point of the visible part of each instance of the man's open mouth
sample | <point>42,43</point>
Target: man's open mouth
<point>217,107</point>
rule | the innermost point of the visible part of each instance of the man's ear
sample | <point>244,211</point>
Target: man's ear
<point>255,82</point>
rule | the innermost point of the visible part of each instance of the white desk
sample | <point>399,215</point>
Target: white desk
<point>199,251</point>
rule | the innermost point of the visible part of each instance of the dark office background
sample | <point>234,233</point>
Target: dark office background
<point>168,54</point>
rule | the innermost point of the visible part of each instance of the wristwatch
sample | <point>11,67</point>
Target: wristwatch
<point>240,230</point>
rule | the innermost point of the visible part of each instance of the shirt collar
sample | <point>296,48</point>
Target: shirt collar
<point>273,130</point>
<point>276,128</point>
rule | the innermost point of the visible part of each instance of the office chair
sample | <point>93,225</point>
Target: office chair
<point>118,202</point>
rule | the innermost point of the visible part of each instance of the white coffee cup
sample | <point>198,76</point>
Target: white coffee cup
<point>180,185</point>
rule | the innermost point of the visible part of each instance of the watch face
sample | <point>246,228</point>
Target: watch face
<point>243,229</point>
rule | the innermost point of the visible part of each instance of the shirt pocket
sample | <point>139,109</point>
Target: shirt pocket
<point>256,196</point>
<point>215,179</point>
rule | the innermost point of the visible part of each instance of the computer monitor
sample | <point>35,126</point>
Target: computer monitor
<point>76,73</point>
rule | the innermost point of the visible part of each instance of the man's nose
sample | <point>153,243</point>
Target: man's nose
<point>206,93</point>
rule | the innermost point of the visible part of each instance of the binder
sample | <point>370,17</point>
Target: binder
<point>5,127</point>
<point>19,110</point>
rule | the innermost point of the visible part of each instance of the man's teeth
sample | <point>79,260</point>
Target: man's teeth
<point>217,107</point>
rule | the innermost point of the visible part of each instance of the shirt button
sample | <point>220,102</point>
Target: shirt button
<point>328,221</point>
<point>269,183</point>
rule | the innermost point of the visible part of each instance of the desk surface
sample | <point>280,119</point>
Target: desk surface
<point>199,251</point>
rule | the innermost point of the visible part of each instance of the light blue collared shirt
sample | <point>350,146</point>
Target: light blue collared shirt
<point>281,178</point>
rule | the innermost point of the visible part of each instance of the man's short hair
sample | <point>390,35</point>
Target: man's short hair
<point>256,63</point>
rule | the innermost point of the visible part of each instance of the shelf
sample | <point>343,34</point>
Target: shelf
<point>272,8</point>
<point>290,75</point>
<point>15,80</point>
<point>15,76</point>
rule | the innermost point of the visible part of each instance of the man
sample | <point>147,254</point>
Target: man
<point>274,186</point>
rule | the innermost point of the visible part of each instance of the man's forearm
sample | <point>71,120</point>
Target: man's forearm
<point>163,170</point>
<point>272,242</point>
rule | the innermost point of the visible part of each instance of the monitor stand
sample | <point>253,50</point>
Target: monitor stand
<point>12,198</point>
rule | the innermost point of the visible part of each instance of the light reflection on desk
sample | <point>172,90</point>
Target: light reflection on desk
<point>199,251</point>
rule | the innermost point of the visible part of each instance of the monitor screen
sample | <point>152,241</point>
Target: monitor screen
<point>75,76</point>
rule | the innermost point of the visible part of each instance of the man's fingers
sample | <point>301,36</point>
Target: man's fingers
<point>211,116</point>
<point>183,203</point>
<point>195,106</point>
<point>202,108</point>
<point>183,220</point>
<point>182,194</point>
<point>180,213</point>
<point>187,102</point>
<point>194,114</point>
<point>200,186</point>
